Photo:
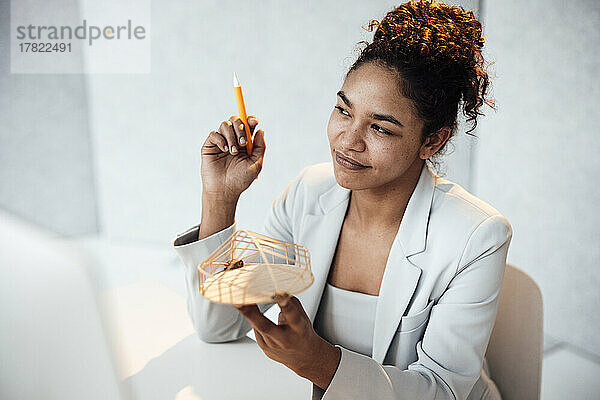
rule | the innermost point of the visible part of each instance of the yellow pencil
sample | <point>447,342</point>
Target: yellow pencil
<point>237,88</point>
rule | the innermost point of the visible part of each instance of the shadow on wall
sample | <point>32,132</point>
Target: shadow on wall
<point>46,165</point>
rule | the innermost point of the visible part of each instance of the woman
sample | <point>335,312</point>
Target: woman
<point>408,266</point>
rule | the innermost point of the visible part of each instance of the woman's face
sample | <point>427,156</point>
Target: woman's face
<point>375,126</point>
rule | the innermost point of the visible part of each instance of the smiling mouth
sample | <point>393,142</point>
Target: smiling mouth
<point>348,163</point>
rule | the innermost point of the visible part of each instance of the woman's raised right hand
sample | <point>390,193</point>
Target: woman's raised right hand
<point>226,168</point>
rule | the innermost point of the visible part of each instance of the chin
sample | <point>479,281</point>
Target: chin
<point>348,180</point>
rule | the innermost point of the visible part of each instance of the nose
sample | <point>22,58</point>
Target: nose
<point>351,138</point>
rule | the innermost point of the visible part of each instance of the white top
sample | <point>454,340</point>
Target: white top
<point>347,318</point>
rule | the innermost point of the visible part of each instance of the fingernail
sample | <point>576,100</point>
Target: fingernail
<point>242,140</point>
<point>233,149</point>
<point>226,148</point>
<point>241,127</point>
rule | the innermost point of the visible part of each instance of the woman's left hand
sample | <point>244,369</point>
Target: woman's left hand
<point>293,341</point>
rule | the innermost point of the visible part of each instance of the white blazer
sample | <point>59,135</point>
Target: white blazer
<point>438,296</point>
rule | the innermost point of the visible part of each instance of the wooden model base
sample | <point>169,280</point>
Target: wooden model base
<point>251,268</point>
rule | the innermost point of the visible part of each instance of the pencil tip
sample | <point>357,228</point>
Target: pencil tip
<point>236,82</point>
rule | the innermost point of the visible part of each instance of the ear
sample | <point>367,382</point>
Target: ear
<point>434,142</point>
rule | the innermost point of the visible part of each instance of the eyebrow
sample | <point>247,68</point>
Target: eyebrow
<point>379,117</point>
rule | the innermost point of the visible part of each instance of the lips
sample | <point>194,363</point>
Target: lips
<point>350,160</point>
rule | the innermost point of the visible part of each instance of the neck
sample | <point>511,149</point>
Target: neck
<point>384,206</point>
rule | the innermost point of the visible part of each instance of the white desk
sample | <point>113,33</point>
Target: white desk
<point>160,356</point>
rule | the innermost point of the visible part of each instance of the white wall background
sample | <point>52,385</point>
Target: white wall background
<point>538,156</point>
<point>46,173</point>
<point>148,129</point>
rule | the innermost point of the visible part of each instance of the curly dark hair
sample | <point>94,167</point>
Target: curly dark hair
<point>435,48</point>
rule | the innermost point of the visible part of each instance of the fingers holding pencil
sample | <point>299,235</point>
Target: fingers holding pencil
<point>229,171</point>
<point>239,131</point>
<point>227,130</point>
<point>230,136</point>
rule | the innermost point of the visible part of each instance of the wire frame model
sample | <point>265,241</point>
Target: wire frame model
<point>252,268</point>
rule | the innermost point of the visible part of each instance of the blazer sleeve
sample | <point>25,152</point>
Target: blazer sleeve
<point>450,355</point>
<point>215,322</point>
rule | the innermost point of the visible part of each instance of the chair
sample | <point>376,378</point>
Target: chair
<point>514,353</point>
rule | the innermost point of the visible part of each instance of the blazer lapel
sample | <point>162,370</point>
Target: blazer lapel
<point>399,282</point>
<point>320,235</point>
<point>401,277</point>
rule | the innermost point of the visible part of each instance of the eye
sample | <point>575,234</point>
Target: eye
<point>381,130</point>
<point>342,111</point>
